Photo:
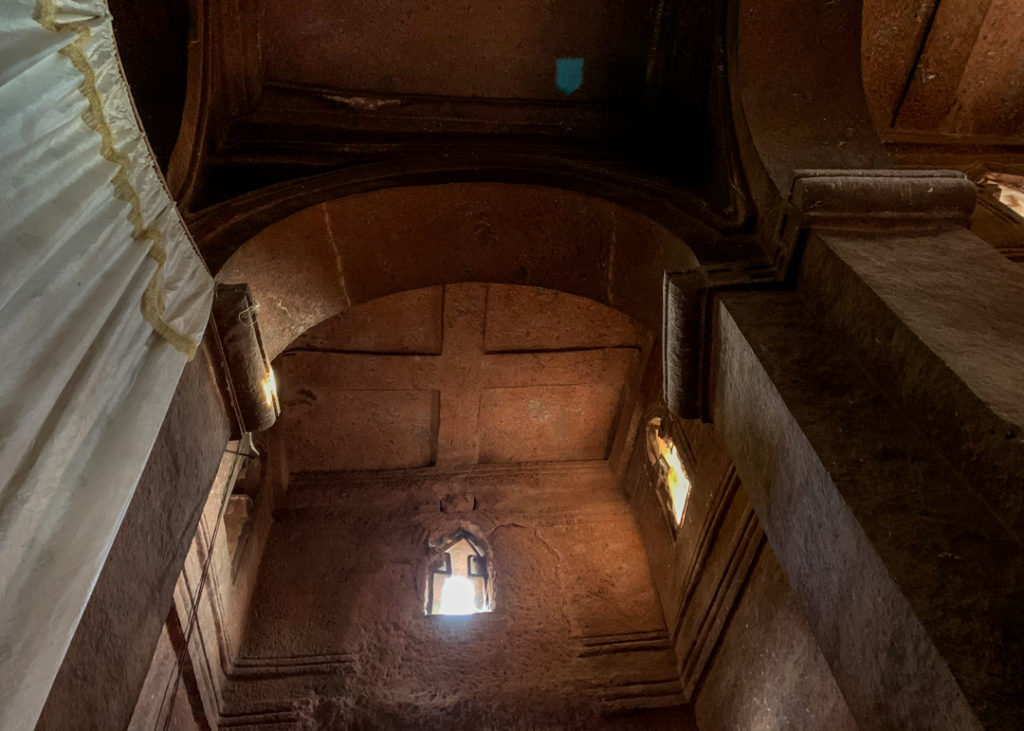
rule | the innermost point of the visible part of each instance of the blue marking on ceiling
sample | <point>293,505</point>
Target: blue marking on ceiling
<point>568,74</point>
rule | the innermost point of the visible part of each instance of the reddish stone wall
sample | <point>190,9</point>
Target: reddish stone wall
<point>949,68</point>
<point>576,630</point>
<point>106,663</point>
<point>746,655</point>
<point>768,671</point>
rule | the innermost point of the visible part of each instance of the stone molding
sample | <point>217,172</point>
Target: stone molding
<point>709,593</point>
<point>635,690</point>
<point>881,198</point>
<point>687,326</point>
<point>870,201</point>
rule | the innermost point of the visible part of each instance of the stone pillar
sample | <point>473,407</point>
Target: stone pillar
<point>874,414</point>
<point>935,313</point>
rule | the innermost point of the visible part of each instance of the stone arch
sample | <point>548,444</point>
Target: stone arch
<point>222,228</point>
<point>941,73</point>
<point>330,256</point>
<point>798,91</point>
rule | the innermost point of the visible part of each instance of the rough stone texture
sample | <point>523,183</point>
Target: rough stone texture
<point>799,82</point>
<point>945,68</point>
<point>531,318</point>
<point>238,573</point>
<point>990,93</point>
<point>457,48</point>
<point>747,657</point>
<point>945,47</point>
<point>892,37</point>
<point>280,92</point>
<point>522,375</point>
<point>853,496</point>
<point>768,673</point>
<point>164,702</point>
<point>927,200</point>
<point>575,628</point>
<point>904,577</point>
<point>156,687</point>
<point>197,651</point>
<point>326,258</point>
<point>408,323</point>
<point>106,663</point>
<point>937,319</point>
<point>381,429</point>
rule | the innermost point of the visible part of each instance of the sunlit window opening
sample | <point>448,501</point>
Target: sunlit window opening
<point>672,476</point>
<point>1007,189</point>
<point>458,585</point>
<point>270,387</point>
<point>458,596</point>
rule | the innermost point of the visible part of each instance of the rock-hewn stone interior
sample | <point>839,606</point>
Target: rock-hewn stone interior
<point>456,376</point>
<point>316,612</point>
<point>478,286</point>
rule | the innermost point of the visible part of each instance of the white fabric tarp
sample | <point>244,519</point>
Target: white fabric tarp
<point>102,300</point>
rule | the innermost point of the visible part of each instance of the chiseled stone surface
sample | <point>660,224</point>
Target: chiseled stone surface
<point>768,673</point>
<point>459,375</point>
<point>344,573</point>
<point>947,67</point>
<point>906,580</point>
<point>938,320</point>
<point>865,489</point>
<point>106,664</point>
<point>322,260</point>
<point>454,48</point>
<point>761,666</point>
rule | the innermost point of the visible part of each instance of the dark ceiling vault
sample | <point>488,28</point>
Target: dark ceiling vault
<point>152,39</point>
<point>401,93</point>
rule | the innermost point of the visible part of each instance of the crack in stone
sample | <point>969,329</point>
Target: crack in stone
<point>337,256</point>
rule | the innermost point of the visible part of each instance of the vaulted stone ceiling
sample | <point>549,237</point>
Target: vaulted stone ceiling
<point>451,90</point>
<point>396,50</point>
<point>460,375</point>
<point>948,68</point>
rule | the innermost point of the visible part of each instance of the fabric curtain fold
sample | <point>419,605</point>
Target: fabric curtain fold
<point>103,298</point>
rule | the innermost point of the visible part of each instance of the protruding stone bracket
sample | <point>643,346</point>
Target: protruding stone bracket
<point>687,324</point>
<point>683,323</point>
<point>251,380</point>
<point>871,200</point>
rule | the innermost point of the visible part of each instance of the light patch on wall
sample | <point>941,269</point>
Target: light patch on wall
<point>568,74</point>
<point>270,388</point>
<point>677,480</point>
<point>672,475</point>
<point>1007,189</point>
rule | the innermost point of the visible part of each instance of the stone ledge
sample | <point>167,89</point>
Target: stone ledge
<point>909,584</point>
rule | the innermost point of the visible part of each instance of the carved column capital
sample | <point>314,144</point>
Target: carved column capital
<point>871,200</point>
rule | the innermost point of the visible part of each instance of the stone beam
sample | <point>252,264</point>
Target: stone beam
<point>934,313</point>
<point>910,585</point>
<point>939,320</point>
